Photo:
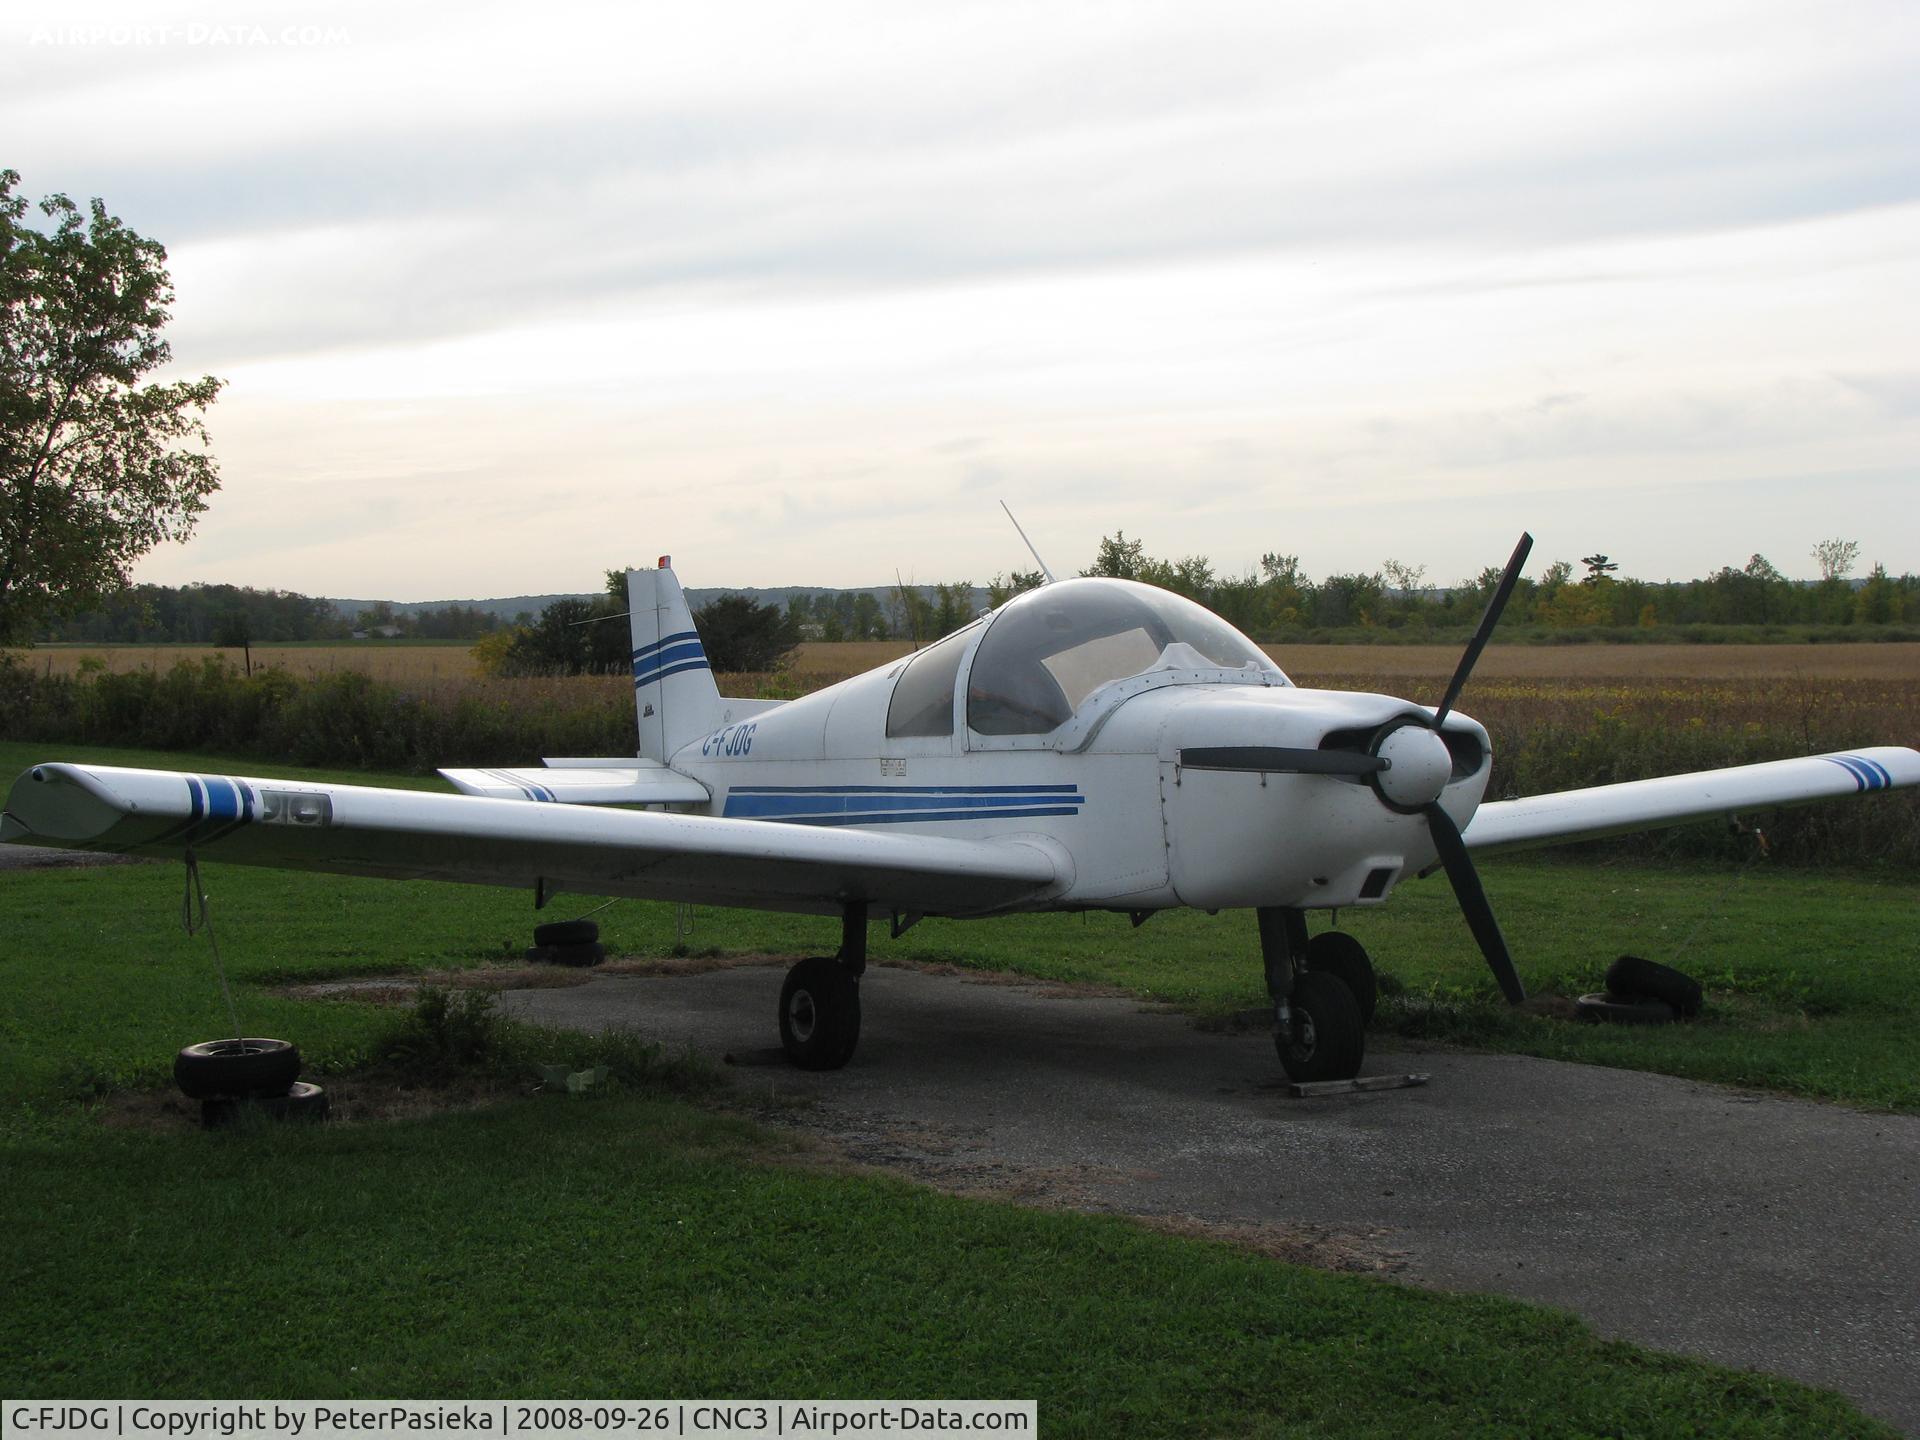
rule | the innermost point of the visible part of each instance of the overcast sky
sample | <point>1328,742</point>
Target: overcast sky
<point>507,295</point>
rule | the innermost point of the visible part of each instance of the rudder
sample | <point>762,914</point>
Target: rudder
<point>674,694</point>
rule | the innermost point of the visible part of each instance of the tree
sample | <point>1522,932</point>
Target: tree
<point>1119,557</point>
<point>1191,576</point>
<point>953,607</point>
<point>739,633</point>
<point>233,631</point>
<point>1404,577</point>
<point>1764,581</point>
<point>95,468</point>
<point>1598,567</point>
<point>1875,602</point>
<point>1835,558</point>
<point>1003,588</point>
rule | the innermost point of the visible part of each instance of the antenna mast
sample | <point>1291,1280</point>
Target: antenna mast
<point>1029,544</point>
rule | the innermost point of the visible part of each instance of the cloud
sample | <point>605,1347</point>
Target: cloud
<point>806,288</point>
<point>445,176</point>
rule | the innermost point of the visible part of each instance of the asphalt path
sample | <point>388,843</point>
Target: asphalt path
<point>41,857</point>
<point>1758,1232</point>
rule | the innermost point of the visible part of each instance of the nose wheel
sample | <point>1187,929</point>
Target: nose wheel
<point>1322,1038</point>
<point>1336,953</point>
<point>1319,1029</point>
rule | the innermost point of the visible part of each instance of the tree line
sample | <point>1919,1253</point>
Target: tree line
<point>1275,601</point>
<point>1278,600</point>
<point>239,614</point>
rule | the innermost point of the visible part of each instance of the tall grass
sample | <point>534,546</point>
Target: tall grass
<point>1549,734</point>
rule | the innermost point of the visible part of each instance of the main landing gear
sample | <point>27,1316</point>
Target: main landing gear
<point>820,1001</point>
<point>1323,993</point>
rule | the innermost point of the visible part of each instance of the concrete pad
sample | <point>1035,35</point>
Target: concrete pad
<point>1759,1232</point>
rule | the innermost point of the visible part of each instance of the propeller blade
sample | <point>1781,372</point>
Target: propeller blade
<point>1498,602</point>
<point>1281,760</point>
<point>1473,902</point>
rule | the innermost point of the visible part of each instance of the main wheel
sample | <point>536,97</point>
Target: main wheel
<point>1336,953</point>
<point>236,1068</point>
<point>819,1014</point>
<point>1325,1040</point>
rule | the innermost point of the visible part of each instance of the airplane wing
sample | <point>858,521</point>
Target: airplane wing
<point>410,834</point>
<point>1677,799</point>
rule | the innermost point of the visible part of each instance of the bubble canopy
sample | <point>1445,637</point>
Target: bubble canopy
<point>1051,648</point>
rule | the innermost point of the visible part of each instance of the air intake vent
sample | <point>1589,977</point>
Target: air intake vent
<point>1468,753</point>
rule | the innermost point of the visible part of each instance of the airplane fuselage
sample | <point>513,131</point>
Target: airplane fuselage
<point>1108,791</point>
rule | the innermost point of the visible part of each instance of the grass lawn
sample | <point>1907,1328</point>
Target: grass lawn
<point>633,1244</point>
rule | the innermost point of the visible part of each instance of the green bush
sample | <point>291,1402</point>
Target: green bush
<point>345,719</point>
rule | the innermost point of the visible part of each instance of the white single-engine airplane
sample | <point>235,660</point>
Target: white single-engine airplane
<point>1092,744</point>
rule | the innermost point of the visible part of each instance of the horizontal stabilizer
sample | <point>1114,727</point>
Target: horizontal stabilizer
<point>635,783</point>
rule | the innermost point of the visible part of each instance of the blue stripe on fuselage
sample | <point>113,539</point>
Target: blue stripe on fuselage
<point>898,804</point>
<point>912,817</point>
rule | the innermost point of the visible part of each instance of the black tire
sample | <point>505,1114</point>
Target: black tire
<point>236,1068</point>
<point>566,932</point>
<point>303,1102</point>
<point>1336,953</point>
<point>1630,975</point>
<point>819,1014</point>
<point>1325,1040</point>
<point>590,954</point>
<point>1625,1009</point>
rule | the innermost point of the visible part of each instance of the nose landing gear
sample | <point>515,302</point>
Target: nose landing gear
<point>1323,992</point>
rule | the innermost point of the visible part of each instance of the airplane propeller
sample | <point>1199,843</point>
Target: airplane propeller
<point>1407,765</point>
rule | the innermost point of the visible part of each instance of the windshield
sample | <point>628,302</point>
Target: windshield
<point>1052,647</point>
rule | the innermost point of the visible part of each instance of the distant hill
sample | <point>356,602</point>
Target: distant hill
<point>506,607</point>
<point>509,606</point>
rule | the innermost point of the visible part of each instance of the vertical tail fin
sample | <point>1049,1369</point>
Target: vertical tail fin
<point>674,693</point>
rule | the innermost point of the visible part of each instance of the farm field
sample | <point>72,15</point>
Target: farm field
<point>383,660</point>
<point>820,662</point>
<point>692,1252</point>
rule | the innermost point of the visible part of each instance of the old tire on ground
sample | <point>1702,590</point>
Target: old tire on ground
<point>566,932</point>
<point>1630,975</point>
<point>242,1067</point>
<point>588,954</point>
<point>1336,953</point>
<point>1625,1009</point>
<point>819,1014</point>
<point>303,1102</point>
<point>1325,1039</point>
